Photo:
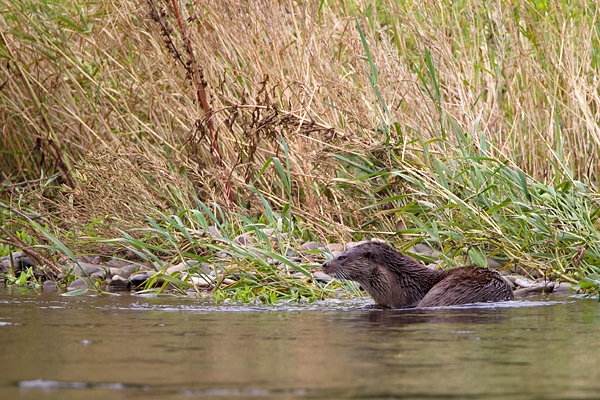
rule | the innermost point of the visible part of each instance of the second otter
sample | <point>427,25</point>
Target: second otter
<point>396,281</point>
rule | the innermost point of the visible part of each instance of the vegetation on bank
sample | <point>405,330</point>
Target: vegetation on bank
<point>139,125</point>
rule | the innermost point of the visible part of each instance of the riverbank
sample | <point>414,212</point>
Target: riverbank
<point>135,128</point>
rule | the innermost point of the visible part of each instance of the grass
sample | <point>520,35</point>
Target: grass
<point>472,127</point>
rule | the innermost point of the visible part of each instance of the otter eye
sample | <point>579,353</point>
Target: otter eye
<point>342,258</point>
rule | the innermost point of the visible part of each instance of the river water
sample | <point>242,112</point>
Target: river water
<point>129,347</point>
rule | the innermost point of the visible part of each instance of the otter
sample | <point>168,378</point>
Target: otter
<point>395,280</point>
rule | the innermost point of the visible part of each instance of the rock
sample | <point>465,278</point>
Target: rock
<point>267,231</point>
<point>19,260</point>
<point>298,275</point>
<point>244,239</point>
<point>291,253</point>
<point>184,266</point>
<point>49,287</point>
<point>336,247</point>
<point>131,255</point>
<point>80,283</point>
<point>118,282</point>
<point>311,246</point>
<point>117,263</point>
<point>494,264</point>
<point>524,283</point>
<point>124,272</point>
<point>546,287</point>
<point>423,248</point>
<point>213,230</point>
<point>322,276</point>
<point>176,268</point>
<point>139,278</point>
<point>562,288</point>
<point>98,275</point>
<point>89,259</point>
<point>84,269</point>
<point>203,281</point>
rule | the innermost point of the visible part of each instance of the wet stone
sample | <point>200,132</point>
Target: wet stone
<point>49,287</point>
<point>139,278</point>
<point>524,283</point>
<point>19,260</point>
<point>124,272</point>
<point>84,269</point>
<point>563,288</point>
<point>98,275</point>
<point>81,283</point>
<point>118,282</point>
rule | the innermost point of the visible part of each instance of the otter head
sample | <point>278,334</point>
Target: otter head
<point>356,264</point>
<point>392,279</point>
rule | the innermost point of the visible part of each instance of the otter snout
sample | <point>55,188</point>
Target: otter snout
<point>325,266</point>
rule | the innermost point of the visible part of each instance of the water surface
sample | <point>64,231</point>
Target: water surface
<point>127,347</point>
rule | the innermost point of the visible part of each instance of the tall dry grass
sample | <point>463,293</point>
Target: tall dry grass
<point>102,93</point>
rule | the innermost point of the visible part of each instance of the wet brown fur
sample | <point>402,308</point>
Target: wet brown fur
<point>395,280</point>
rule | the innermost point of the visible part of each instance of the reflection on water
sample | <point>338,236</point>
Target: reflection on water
<point>56,347</point>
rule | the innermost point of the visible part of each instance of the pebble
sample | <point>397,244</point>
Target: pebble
<point>203,281</point>
<point>311,246</point>
<point>80,283</point>
<point>84,268</point>
<point>125,272</point>
<point>423,248</point>
<point>98,275</point>
<point>122,275</point>
<point>244,239</point>
<point>139,278</point>
<point>49,287</point>
<point>322,276</point>
<point>176,268</point>
<point>494,264</point>
<point>19,260</point>
<point>291,253</point>
<point>213,230</point>
<point>336,247</point>
<point>298,275</point>
<point>89,259</point>
<point>117,282</point>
